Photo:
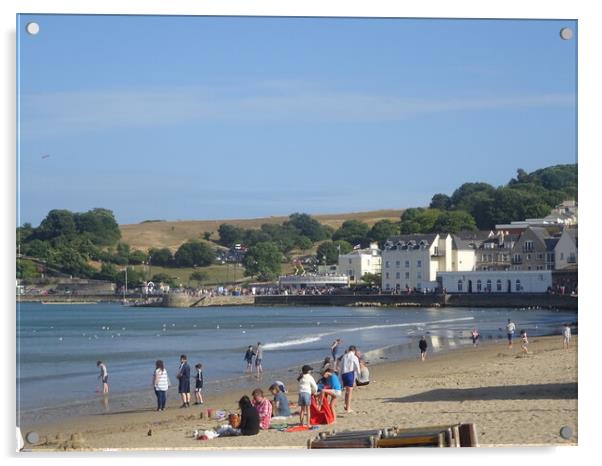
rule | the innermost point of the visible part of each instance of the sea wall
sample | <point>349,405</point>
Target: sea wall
<point>184,300</point>
<point>516,300</point>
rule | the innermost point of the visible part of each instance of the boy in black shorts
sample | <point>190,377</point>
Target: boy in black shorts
<point>198,389</point>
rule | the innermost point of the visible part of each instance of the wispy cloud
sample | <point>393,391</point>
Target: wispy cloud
<point>103,110</point>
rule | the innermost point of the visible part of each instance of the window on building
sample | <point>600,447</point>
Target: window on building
<point>518,286</point>
<point>386,275</point>
<point>398,275</point>
<point>562,256</point>
<point>407,264</point>
<point>407,275</point>
<point>459,285</point>
<point>540,267</point>
<point>387,286</point>
<point>386,264</point>
<point>540,256</point>
<point>489,285</point>
<point>478,285</point>
<point>419,276</point>
<point>418,263</point>
<point>436,250</point>
<point>528,245</point>
<point>350,261</point>
<point>398,264</point>
<point>498,285</point>
<point>528,257</point>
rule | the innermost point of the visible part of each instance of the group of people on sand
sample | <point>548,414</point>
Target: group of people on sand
<point>338,376</point>
<point>161,383</point>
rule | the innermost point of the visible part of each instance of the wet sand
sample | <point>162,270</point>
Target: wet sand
<point>513,399</point>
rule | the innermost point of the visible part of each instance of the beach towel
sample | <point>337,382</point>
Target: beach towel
<point>320,411</point>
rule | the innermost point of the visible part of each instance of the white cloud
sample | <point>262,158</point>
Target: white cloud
<point>103,110</point>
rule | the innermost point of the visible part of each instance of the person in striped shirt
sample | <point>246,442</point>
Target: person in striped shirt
<point>160,384</point>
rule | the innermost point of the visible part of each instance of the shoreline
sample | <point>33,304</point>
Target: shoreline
<point>485,380</point>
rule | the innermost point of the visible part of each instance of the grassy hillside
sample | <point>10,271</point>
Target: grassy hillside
<point>172,234</point>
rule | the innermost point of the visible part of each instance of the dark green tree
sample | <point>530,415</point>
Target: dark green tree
<point>374,279</point>
<point>229,235</point>
<point>308,226</point>
<point>58,223</point>
<point>383,230</point>
<point>100,224</point>
<point>354,232</point>
<point>136,257</point>
<point>161,257</point>
<point>263,260</point>
<point>440,201</point>
<point>328,252</point>
<point>194,254</point>
<point>453,222</point>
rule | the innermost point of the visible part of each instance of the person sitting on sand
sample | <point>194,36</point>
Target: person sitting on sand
<point>364,377</point>
<point>263,407</point>
<point>331,387</point>
<point>524,341</point>
<point>280,405</point>
<point>423,345</point>
<point>249,417</point>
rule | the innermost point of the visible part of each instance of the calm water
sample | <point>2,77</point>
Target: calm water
<point>58,345</point>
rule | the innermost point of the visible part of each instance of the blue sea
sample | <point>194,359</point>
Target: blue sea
<point>58,345</point>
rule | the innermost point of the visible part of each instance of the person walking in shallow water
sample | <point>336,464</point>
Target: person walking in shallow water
<point>423,345</point>
<point>103,377</point>
<point>249,359</point>
<point>259,358</point>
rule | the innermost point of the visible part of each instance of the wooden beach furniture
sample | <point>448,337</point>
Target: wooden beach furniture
<point>456,435</point>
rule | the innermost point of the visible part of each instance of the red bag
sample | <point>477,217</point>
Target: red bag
<point>320,412</point>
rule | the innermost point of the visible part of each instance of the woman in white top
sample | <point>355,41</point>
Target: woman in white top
<point>160,384</point>
<point>307,387</point>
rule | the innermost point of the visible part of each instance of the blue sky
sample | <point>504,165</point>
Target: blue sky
<point>206,117</point>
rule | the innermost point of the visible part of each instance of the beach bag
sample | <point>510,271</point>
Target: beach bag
<point>234,420</point>
<point>320,411</point>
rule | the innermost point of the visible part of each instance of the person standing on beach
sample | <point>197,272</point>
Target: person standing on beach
<point>184,381</point>
<point>103,376</point>
<point>566,336</point>
<point>307,387</point>
<point>198,386</point>
<point>350,371</point>
<point>259,358</point>
<point>510,328</point>
<point>249,359</point>
<point>475,337</point>
<point>334,349</point>
<point>423,345</point>
<point>160,384</point>
<point>524,341</point>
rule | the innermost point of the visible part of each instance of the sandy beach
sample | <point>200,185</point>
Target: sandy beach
<point>512,399</point>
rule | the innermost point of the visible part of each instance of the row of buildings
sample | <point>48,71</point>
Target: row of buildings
<point>515,257</point>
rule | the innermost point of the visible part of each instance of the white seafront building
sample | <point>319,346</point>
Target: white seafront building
<point>483,281</point>
<point>412,261</point>
<point>359,262</point>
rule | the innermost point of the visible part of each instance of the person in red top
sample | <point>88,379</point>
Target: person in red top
<point>263,407</point>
